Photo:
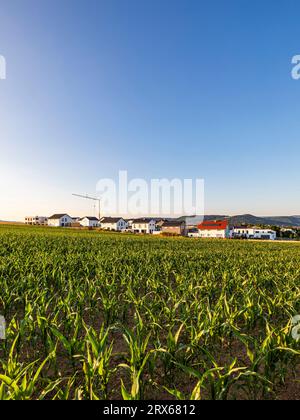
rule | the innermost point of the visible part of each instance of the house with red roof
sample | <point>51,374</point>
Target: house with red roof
<point>214,229</point>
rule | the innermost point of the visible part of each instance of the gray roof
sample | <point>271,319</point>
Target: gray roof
<point>92,218</point>
<point>111,219</point>
<point>143,220</point>
<point>58,216</point>
<point>173,224</point>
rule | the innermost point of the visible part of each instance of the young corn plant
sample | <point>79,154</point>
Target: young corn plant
<point>18,382</point>
<point>74,345</point>
<point>172,352</point>
<point>139,355</point>
<point>97,363</point>
<point>222,379</point>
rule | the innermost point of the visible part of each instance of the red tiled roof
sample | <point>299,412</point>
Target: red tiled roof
<point>213,225</point>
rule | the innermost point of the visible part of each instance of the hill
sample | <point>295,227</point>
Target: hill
<point>257,220</point>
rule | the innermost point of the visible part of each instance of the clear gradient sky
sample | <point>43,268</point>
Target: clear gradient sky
<point>162,88</point>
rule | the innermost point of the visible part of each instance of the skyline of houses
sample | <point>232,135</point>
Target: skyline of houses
<point>154,226</point>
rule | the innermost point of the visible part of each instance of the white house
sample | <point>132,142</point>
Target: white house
<point>113,223</point>
<point>60,220</point>
<point>243,232</point>
<point>214,229</point>
<point>89,221</point>
<point>265,234</point>
<point>36,220</point>
<point>144,225</point>
<point>254,233</point>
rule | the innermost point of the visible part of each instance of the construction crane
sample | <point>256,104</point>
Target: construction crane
<point>87,197</point>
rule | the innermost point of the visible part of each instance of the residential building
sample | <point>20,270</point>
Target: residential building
<point>253,233</point>
<point>89,221</point>
<point>36,220</point>
<point>173,227</point>
<point>214,229</point>
<point>113,223</point>
<point>267,234</point>
<point>144,225</point>
<point>60,220</point>
<point>242,232</point>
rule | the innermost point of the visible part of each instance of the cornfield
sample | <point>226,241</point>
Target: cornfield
<point>99,316</point>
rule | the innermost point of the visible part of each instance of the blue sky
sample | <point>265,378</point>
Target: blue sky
<point>161,88</point>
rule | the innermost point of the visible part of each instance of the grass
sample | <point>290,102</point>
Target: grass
<point>108,316</point>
